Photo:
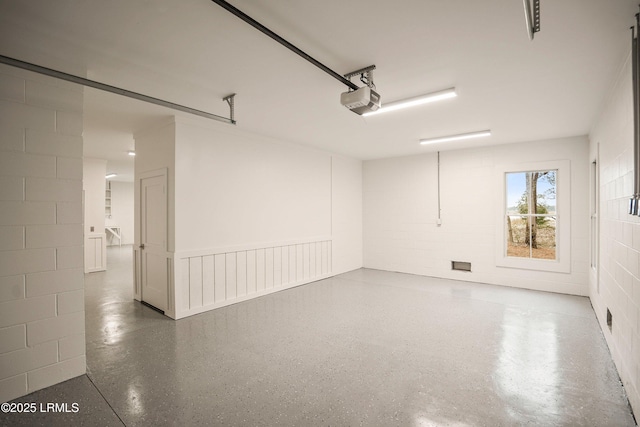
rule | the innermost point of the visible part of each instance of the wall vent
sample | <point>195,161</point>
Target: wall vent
<point>609,320</point>
<point>460,265</point>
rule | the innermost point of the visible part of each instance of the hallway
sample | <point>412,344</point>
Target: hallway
<point>363,348</point>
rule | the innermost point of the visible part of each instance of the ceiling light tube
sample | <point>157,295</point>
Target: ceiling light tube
<point>458,137</point>
<point>111,175</point>
<point>131,153</point>
<point>413,102</point>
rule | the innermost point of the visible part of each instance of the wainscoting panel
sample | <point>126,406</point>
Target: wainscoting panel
<point>220,293</point>
<point>95,253</point>
<point>196,290</point>
<point>215,278</point>
<point>208,280</point>
<point>241,273</point>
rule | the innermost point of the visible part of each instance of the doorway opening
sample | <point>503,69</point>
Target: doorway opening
<point>112,312</point>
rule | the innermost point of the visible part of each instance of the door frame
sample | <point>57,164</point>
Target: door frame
<point>594,219</point>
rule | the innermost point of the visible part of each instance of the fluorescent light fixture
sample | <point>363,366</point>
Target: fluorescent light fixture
<point>111,175</point>
<point>131,153</point>
<point>413,102</point>
<point>458,137</point>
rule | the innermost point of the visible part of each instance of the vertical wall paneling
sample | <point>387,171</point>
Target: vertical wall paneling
<point>293,263</point>
<point>216,278</point>
<point>312,259</point>
<point>284,253</point>
<point>208,280</point>
<point>95,256</point>
<point>171,283</point>
<point>277,266</point>
<point>185,298</point>
<point>100,252</point>
<point>195,282</point>
<point>325,257</point>
<point>299,263</point>
<point>251,272</point>
<point>232,287</point>
<point>306,261</point>
<point>268,265</point>
<point>241,273</point>
<point>260,269</point>
<point>220,286</point>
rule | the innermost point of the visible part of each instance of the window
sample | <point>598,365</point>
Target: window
<point>534,216</point>
<point>531,215</point>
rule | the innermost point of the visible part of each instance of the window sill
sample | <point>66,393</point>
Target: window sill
<point>553,266</point>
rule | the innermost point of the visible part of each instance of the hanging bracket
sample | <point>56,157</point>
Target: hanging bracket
<point>532,16</point>
<point>366,76</point>
<point>231,101</point>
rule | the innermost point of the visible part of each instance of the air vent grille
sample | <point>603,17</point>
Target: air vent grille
<point>460,265</point>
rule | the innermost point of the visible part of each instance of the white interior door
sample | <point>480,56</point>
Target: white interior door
<point>153,240</point>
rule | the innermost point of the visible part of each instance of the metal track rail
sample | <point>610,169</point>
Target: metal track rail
<point>108,88</point>
<point>258,26</point>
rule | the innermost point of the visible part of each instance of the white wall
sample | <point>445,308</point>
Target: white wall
<point>41,277</point>
<point>619,256</point>
<point>93,185</point>
<point>155,151</point>
<point>346,211</point>
<point>255,215</point>
<point>234,189</point>
<point>400,211</point>
<point>122,194</point>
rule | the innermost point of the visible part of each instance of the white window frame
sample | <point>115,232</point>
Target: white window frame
<point>562,263</point>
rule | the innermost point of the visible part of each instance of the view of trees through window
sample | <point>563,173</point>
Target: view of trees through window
<point>531,214</point>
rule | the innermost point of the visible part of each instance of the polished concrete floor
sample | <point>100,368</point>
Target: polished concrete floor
<point>366,348</point>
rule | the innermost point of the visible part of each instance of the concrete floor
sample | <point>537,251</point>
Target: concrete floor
<point>363,348</point>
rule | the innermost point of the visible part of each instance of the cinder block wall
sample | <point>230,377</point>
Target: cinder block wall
<point>617,287</point>
<point>41,253</point>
